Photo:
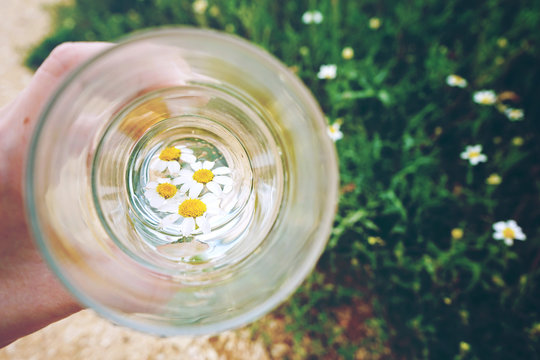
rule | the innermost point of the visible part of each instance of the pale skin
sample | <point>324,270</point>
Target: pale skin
<point>30,295</point>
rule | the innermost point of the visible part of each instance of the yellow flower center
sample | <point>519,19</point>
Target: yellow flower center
<point>486,100</point>
<point>192,208</point>
<point>170,154</point>
<point>166,190</point>
<point>509,233</point>
<point>203,176</point>
<point>474,154</point>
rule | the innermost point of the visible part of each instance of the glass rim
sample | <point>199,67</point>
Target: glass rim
<point>288,287</point>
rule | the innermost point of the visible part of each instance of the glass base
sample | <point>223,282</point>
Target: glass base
<point>212,130</point>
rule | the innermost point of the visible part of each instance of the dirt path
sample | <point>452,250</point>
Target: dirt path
<point>85,335</point>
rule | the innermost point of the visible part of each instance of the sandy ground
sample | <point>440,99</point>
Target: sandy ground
<point>85,335</point>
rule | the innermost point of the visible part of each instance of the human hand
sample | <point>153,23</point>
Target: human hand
<point>30,296</point>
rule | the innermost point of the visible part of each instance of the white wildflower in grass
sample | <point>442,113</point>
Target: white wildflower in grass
<point>160,193</point>
<point>456,80</point>
<point>494,179</point>
<point>312,17</point>
<point>374,23</point>
<point>485,97</point>
<point>334,131</point>
<point>347,53</point>
<point>514,114</point>
<point>508,231</point>
<point>169,159</point>
<point>191,214</point>
<point>199,6</point>
<point>327,72</point>
<point>474,154</point>
<point>204,175</point>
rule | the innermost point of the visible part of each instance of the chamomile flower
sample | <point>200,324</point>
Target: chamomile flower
<point>312,17</point>
<point>508,231</point>
<point>485,97</point>
<point>327,72</point>
<point>514,114</point>
<point>347,53</point>
<point>474,154</point>
<point>199,6</point>
<point>160,193</point>
<point>375,23</point>
<point>193,213</point>
<point>456,81</point>
<point>169,159</point>
<point>204,175</point>
<point>334,131</point>
<point>494,179</point>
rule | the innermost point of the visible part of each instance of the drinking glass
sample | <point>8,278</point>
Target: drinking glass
<point>182,182</point>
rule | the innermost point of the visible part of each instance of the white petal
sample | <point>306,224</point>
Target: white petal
<point>149,194</point>
<point>196,166</point>
<point>189,158</point>
<point>476,148</point>
<point>208,165</point>
<point>508,241</point>
<point>186,187</point>
<point>169,207</point>
<point>183,180</point>
<point>499,226</point>
<point>498,236</point>
<point>156,201</point>
<point>210,198</point>
<point>151,185</point>
<point>221,171</point>
<point>519,235</point>
<point>188,225</point>
<point>203,224</point>
<point>223,180</point>
<point>174,167</point>
<point>512,224</point>
<point>227,189</point>
<point>214,187</point>
<point>465,155</point>
<point>184,149</point>
<point>169,219</point>
<point>195,190</point>
<point>160,165</point>
<point>162,180</point>
<point>186,173</point>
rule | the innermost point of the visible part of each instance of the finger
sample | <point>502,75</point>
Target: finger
<point>63,59</point>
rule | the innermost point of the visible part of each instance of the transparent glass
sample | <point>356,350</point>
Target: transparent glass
<point>144,256</point>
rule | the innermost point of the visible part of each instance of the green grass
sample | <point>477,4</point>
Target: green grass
<point>404,185</point>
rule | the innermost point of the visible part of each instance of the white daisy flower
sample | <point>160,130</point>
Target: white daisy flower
<point>508,231</point>
<point>327,72</point>
<point>312,17</point>
<point>161,193</point>
<point>199,6</point>
<point>193,213</point>
<point>474,154</point>
<point>514,114</point>
<point>334,131</point>
<point>347,53</point>
<point>204,175</point>
<point>375,23</point>
<point>485,97</point>
<point>456,80</point>
<point>169,159</point>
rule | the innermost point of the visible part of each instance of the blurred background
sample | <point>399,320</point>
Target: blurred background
<point>424,261</point>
